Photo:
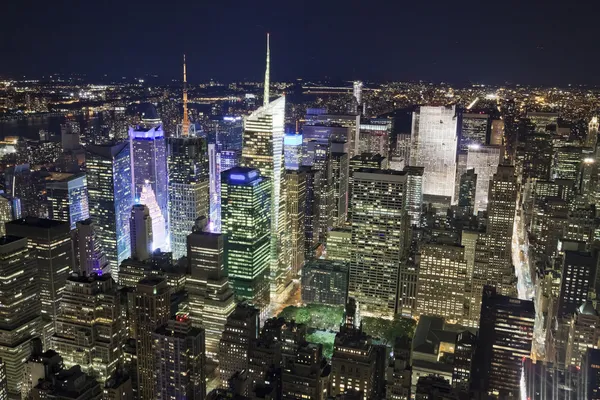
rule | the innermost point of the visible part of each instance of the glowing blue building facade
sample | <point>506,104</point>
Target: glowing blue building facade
<point>292,151</point>
<point>110,199</point>
<point>149,160</point>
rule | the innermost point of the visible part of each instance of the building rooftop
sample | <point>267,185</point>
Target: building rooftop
<point>35,222</point>
<point>108,150</point>
<point>430,332</point>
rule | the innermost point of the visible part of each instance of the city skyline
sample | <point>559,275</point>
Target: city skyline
<point>277,240</point>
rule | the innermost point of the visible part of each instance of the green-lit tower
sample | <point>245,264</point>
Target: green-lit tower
<point>245,218</point>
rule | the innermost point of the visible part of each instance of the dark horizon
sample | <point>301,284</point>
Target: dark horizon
<point>437,41</point>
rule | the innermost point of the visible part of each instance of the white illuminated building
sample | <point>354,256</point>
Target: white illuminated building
<point>159,234</point>
<point>263,150</point>
<point>484,160</point>
<point>433,146</point>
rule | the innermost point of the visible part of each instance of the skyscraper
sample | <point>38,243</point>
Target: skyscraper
<point>90,308</point>
<point>307,374</point>
<point>484,160</point>
<point>375,137</point>
<point>263,150</point>
<point>240,330</point>
<point>55,259</point>
<point>210,296</point>
<point>180,358</point>
<point>353,364</point>
<point>433,146</point>
<point>5,214</point>
<point>325,281</point>
<point>497,243</point>
<point>467,189</point>
<point>365,160</point>
<point>312,210</point>
<point>442,282</point>
<point>188,188</point>
<point>20,313</point>
<point>583,333</point>
<point>473,130</point>
<point>141,232</point>
<point>379,224</point>
<point>292,149</point>
<point>90,255</point>
<point>245,213</point>
<point>579,270</point>
<point>590,382</point>
<point>110,199</point>
<point>149,158</point>
<point>296,203</point>
<point>339,245</point>
<point>504,340</point>
<point>68,199</point>
<point>340,171</point>
<point>152,303</point>
<point>414,194</point>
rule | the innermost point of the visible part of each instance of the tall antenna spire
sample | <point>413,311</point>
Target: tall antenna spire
<point>185,125</point>
<point>267,74</point>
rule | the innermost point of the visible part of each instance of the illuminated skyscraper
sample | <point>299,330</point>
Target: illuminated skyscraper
<point>375,137</point>
<point>90,308</point>
<point>484,160</point>
<point>579,270</point>
<point>442,281</point>
<point>296,203</point>
<point>495,263</point>
<point>141,232</point>
<point>339,245</point>
<point>583,333</point>
<point>188,189</point>
<point>110,199</point>
<point>245,213</point>
<point>414,194</point>
<point>152,310</point>
<point>433,146</point>
<point>379,225</point>
<point>241,329</point>
<point>322,161</point>
<point>180,358</point>
<point>159,234</point>
<point>263,151</point>
<point>311,212</point>
<point>53,247</point>
<point>473,130</point>
<point>226,132</point>
<point>590,375</point>
<point>365,160</point>
<point>340,170</point>
<point>497,133</point>
<point>90,255</point>
<point>466,192</point>
<point>292,149</point>
<point>210,296</point>
<point>149,158</point>
<point>68,199</point>
<point>504,341</point>
<point>5,214</point>
<point>20,311</point>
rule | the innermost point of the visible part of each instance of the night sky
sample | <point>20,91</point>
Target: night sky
<point>517,41</point>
